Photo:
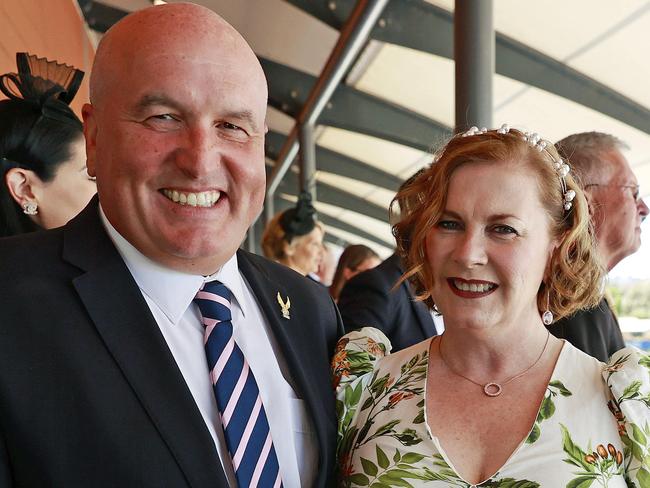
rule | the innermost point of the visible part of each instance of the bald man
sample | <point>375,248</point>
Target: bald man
<point>138,346</point>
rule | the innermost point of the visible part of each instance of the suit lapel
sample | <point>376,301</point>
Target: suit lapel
<point>298,363</point>
<point>122,318</point>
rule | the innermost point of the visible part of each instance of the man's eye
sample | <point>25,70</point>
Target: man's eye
<point>233,132</point>
<point>164,117</point>
<point>230,126</point>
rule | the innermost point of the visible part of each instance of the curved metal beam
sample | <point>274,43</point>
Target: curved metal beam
<point>282,204</point>
<point>417,24</point>
<point>334,196</point>
<point>353,36</point>
<point>339,164</point>
<point>352,109</point>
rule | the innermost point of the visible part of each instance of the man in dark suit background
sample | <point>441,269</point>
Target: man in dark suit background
<point>617,211</point>
<point>369,300</point>
<point>103,375</point>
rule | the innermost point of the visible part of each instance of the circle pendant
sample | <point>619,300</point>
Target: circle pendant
<point>492,389</point>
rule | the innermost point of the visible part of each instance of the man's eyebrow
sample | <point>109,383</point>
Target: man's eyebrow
<point>162,100</point>
<point>155,99</point>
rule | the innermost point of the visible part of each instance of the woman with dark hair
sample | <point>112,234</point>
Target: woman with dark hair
<point>495,235</point>
<point>354,259</point>
<point>42,154</point>
<point>295,238</point>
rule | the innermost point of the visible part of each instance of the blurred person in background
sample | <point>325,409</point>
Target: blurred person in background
<point>42,155</point>
<point>327,266</point>
<point>295,238</point>
<point>616,210</point>
<point>354,259</point>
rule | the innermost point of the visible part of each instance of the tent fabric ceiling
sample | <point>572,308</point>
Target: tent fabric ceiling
<point>560,65</point>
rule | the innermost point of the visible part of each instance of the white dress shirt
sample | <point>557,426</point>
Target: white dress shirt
<point>438,322</point>
<point>169,294</point>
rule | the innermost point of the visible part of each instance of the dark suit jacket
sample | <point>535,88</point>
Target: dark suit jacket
<point>367,300</point>
<point>90,394</point>
<point>594,331</point>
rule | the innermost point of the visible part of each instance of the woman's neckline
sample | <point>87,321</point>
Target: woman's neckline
<point>520,445</point>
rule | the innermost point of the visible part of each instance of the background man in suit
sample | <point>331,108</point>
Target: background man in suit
<point>617,211</point>
<point>103,373</point>
<point>368,299</point>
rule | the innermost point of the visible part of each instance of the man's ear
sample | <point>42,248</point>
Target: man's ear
<point>90,135</point>
<point>23,185</point>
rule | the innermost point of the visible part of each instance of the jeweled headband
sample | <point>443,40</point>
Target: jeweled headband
<point>559,165</point>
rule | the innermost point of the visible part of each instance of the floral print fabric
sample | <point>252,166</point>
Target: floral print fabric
<point>592,427</point>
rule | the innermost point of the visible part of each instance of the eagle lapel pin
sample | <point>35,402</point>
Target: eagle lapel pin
<point>284,306</point>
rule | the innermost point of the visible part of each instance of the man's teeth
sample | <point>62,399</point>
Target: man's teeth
<point>201,199</point>
<point>473,287</point>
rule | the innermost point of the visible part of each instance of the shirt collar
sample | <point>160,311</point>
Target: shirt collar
<point>172,291</point>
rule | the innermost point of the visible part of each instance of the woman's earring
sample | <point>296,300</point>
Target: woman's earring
<point>547,316</point>
<point>30,208</point>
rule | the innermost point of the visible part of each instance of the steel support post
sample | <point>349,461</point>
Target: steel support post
<point>353,37</point>
<point>474,58</point>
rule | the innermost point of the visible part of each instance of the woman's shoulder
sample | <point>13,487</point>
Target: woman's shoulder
<point>627,374</point>
<point>364,351</point>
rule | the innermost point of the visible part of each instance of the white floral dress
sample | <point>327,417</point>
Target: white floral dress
<point>592,429</point>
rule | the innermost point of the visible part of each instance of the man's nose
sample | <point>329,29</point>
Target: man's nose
<point>200,152</point>
<point>643,209</point>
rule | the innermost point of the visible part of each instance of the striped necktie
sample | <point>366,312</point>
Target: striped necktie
<point>245,426</point>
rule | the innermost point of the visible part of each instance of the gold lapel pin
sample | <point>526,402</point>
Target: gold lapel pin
<point>284,306</point>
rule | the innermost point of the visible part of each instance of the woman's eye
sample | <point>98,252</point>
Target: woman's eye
<point>504,229</point>
<point>449,225</point>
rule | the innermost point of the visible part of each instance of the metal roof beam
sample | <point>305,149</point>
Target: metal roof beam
<point>100,17</point>
<point>334,196</point>
<point>339,164</point>
<point>281,204</point>
<point>352,38</point>
<point>352,109</point>
<point>417,24</point>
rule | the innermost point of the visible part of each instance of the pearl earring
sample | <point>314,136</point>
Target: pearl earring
<point>547,316</point>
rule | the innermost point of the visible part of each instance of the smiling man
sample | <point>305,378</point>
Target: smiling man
<point>139,346</point>
<point>617,211</point>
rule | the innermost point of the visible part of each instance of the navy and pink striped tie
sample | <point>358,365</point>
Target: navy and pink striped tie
<point>244,421</point>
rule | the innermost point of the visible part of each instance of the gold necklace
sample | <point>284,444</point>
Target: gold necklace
<point>492,388</point>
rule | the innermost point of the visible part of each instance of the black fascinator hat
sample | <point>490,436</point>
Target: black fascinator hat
<point>47,85</point>
<point>300,220</point>
<point>37,128</point>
